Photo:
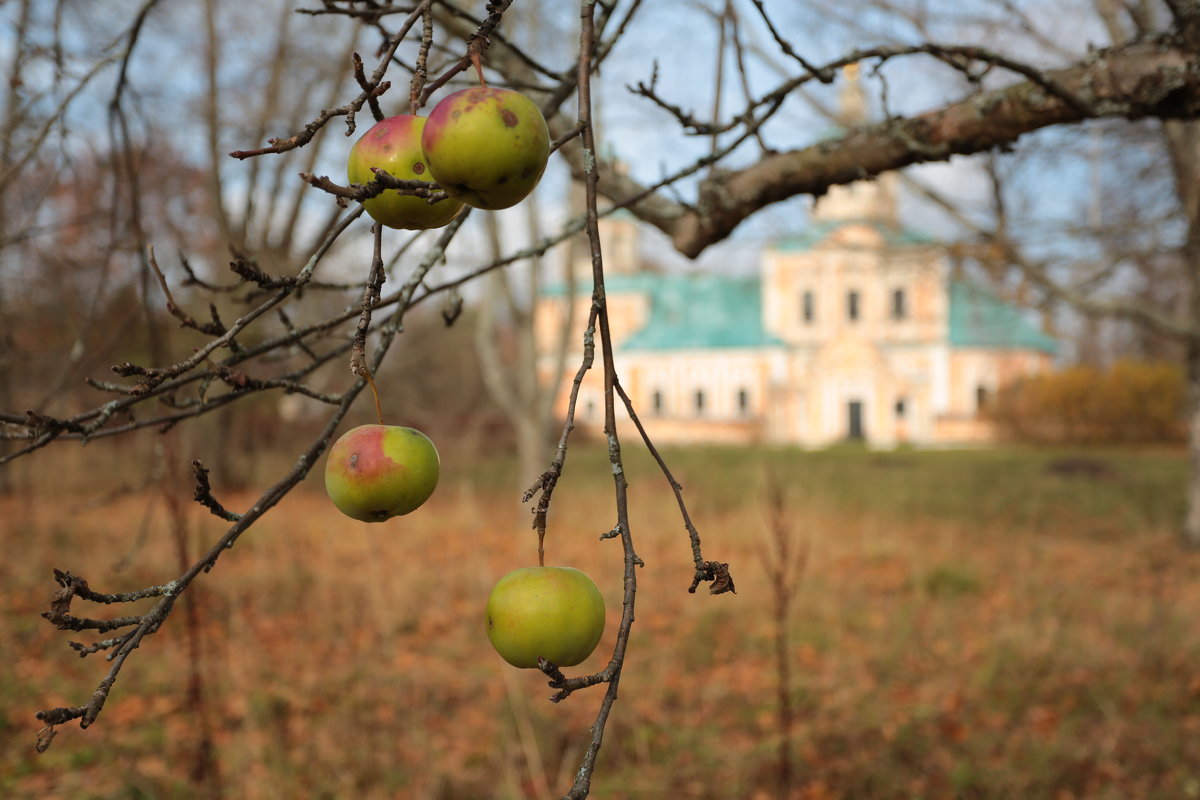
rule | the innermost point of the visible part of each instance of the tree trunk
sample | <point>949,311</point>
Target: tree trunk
<point>1191,523</point>
<point>534,449</point>
<point>1183,148</point>
<point>6,392</point>
<point>9,134</point>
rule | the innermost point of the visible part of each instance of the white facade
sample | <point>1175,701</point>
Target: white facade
<point>854,330</point>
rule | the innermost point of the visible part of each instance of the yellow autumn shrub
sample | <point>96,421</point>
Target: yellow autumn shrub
<point>1130,402</point>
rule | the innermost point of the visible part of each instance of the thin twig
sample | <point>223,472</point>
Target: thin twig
<point>360,76</point>
<point>373,88</point>
<point>477,43</point>
<point>370,298</point>
<point>204,496</point>
<point>714,571</point>
<point>548,480</point>
<point>611,674</point>
<point>421,71</point>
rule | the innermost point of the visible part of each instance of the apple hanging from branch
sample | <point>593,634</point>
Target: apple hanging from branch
<point>376,472</point>
<point>553,612</point>
<point>394,145</point>
<point>486,147</point>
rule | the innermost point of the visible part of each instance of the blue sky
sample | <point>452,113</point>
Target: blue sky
<point>167,77</point>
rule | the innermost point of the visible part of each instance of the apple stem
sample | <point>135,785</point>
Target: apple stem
<point>371,382</point>
<point>475,59</point>
<point>541,547</point>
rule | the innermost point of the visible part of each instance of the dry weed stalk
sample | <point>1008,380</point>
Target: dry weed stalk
<point>784,556</point>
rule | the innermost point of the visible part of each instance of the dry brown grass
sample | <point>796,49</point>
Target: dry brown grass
<point>932,657</point>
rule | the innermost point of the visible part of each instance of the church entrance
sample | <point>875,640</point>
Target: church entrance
<point>854,428</point>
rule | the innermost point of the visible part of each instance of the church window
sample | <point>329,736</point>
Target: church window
<point>656,401</point>
<point>899,304</point>
<point>981,397</point>
<point>699,399</point>
<point>743,401</point>
<point>852,303</point>
<point>808,306</point>
<point>901,407</point>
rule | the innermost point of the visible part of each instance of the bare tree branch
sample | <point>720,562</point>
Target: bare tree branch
<point>1159,79</point>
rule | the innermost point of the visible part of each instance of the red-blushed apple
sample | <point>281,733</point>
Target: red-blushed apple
<point>376,472</point>
<point>394,145</point>
<point>553,612</point>
<point>486,147</point>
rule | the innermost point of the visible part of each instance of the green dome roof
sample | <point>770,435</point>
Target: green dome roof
<point>703,311</point>
<point>980,319</point>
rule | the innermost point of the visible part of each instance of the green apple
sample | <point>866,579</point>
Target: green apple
<point>376,472</point>
<point>486,147</point>
<point>553,612</point>
<point>394,145</point>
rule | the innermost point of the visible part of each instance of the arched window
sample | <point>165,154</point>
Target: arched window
<point>808,307</point>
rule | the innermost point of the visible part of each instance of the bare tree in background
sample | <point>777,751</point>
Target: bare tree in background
<point>504,330</point>
<point>505,322</point>
<point>288,337</point>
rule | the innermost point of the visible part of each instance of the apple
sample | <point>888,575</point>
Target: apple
<point>553,612</point>
<point>486,147</point>
<point>394,145</point>
<point>376,472</point>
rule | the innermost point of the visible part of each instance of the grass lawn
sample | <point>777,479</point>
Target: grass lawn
<point>1005,623</point>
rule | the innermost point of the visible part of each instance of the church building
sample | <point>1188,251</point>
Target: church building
<point>855,328</point>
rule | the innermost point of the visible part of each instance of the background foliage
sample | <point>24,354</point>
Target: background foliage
<point>1127,402</point>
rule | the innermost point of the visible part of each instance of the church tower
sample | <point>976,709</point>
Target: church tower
<point>863,201</point>
<point>619,239</point>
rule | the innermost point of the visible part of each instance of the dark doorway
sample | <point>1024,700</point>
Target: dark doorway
<point>855,409</point>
